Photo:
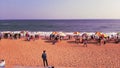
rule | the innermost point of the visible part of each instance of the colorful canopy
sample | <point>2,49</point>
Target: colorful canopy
<point>76,33</point>
<point>62,34</point>
<point>98,33</point>
<point>104,35</point>
<point>54,32</point>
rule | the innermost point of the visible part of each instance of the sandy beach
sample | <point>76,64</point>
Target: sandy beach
<point>59,33</point>
<point>63,54</point>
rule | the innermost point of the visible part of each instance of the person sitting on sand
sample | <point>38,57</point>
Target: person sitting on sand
<point>2,63</point>
<point>44,57</point>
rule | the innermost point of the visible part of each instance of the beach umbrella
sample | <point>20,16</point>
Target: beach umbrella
<point>54,32</point>
<point>76,33</point>
<point>84,34</point>
<point>70,34</point>
<point>104,35</point>
<point>62,34</point>
<point>98,34</point>
<point>118,33</point>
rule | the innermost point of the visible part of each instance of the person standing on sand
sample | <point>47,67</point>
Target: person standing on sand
<point>44,57</point>
<point>85,42</point>
<point>99,40</point>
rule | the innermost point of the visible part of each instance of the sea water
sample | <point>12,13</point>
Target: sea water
<point>81,25</point>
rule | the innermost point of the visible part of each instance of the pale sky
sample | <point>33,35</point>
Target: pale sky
<point>59,9</point>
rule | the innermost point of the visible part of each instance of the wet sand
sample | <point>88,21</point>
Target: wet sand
<point>63,54</point>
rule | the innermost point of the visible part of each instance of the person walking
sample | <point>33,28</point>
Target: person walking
<point>44,57</point>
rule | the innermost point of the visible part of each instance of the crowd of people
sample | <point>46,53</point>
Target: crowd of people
<point>27,36</point>
<point>84,38</point>
<point>100,38</point>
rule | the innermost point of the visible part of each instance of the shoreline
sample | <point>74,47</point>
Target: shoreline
<point>50,32</point>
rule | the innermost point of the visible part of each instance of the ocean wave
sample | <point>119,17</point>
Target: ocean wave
<point>44,33</point>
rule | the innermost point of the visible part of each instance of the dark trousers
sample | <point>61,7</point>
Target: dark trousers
<point>45,62</point>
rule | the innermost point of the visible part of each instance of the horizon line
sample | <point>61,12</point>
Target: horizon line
<point>63,19</point>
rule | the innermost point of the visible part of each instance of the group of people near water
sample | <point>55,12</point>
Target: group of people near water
<point>85,38</point>
<point>27,36</point>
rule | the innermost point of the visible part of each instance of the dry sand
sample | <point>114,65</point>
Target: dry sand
<point>63,54</point>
